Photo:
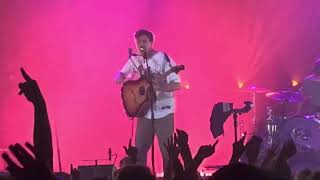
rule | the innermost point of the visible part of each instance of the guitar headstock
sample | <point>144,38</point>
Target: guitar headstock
<point>177,68</point>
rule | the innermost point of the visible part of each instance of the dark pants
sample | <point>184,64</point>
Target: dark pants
<point>163,129</point>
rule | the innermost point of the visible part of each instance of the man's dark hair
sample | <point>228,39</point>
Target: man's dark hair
<point>142,32</point>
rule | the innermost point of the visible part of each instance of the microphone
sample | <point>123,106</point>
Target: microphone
<point>109,154</point>
<point>143,52</point>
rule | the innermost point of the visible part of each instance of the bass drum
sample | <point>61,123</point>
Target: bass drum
<point>305,132</point>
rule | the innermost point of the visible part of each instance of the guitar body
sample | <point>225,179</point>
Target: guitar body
<point>135,97</point>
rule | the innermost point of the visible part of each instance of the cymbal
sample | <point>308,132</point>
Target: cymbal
<point>255,89</point>
<point>285,96</point>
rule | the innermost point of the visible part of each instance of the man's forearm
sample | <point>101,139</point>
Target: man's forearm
<point>235,157</point>
<point>42,134</point>
<point>195,163</point>
<point>172,86</point>
<point>186,154</point>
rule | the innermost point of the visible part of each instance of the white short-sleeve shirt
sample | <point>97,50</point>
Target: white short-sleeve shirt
<point>158,65</point>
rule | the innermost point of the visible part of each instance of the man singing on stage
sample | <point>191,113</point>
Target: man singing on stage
<point>164,106</point>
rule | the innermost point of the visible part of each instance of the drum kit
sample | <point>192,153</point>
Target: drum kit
<point>283,123</point>
<point>304,130</point>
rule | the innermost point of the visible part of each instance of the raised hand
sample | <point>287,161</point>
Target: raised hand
<point>174,167</point>
<point>31,168</point>
<point>207,150</point>
<point>30,88</point>
<point>288,150</point>
<point>42,131</point>
<point>237,150</point>
<point>172,148</point>
<point>203,152</point>
<point>239,147</point>
<point>272,152</point>
<point>270,156</point>
<point>131,151</point>
<point>253,149</point>
<point>181,138</point>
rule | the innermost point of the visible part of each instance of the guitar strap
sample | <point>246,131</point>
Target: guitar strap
<point>167,58</point>
<point>164,63</point>
<point>137,67</point>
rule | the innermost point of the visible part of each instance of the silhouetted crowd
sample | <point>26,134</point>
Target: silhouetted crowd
<point>36,159</point>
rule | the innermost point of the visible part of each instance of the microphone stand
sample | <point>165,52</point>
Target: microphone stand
<point>151,93</point>
<point>236,112</point>
<point>130,55</point>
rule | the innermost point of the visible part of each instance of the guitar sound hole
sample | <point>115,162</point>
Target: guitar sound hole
<point>142,91</point>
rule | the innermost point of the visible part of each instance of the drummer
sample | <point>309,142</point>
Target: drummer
<point>310,89</point>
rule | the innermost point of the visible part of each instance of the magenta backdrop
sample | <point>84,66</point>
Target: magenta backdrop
<point>74,48</point>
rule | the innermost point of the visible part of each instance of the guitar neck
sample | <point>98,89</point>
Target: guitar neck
<point>167,73</point>
<point>174,69</point>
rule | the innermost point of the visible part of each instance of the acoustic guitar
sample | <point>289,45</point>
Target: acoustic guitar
<point>135,93</point>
